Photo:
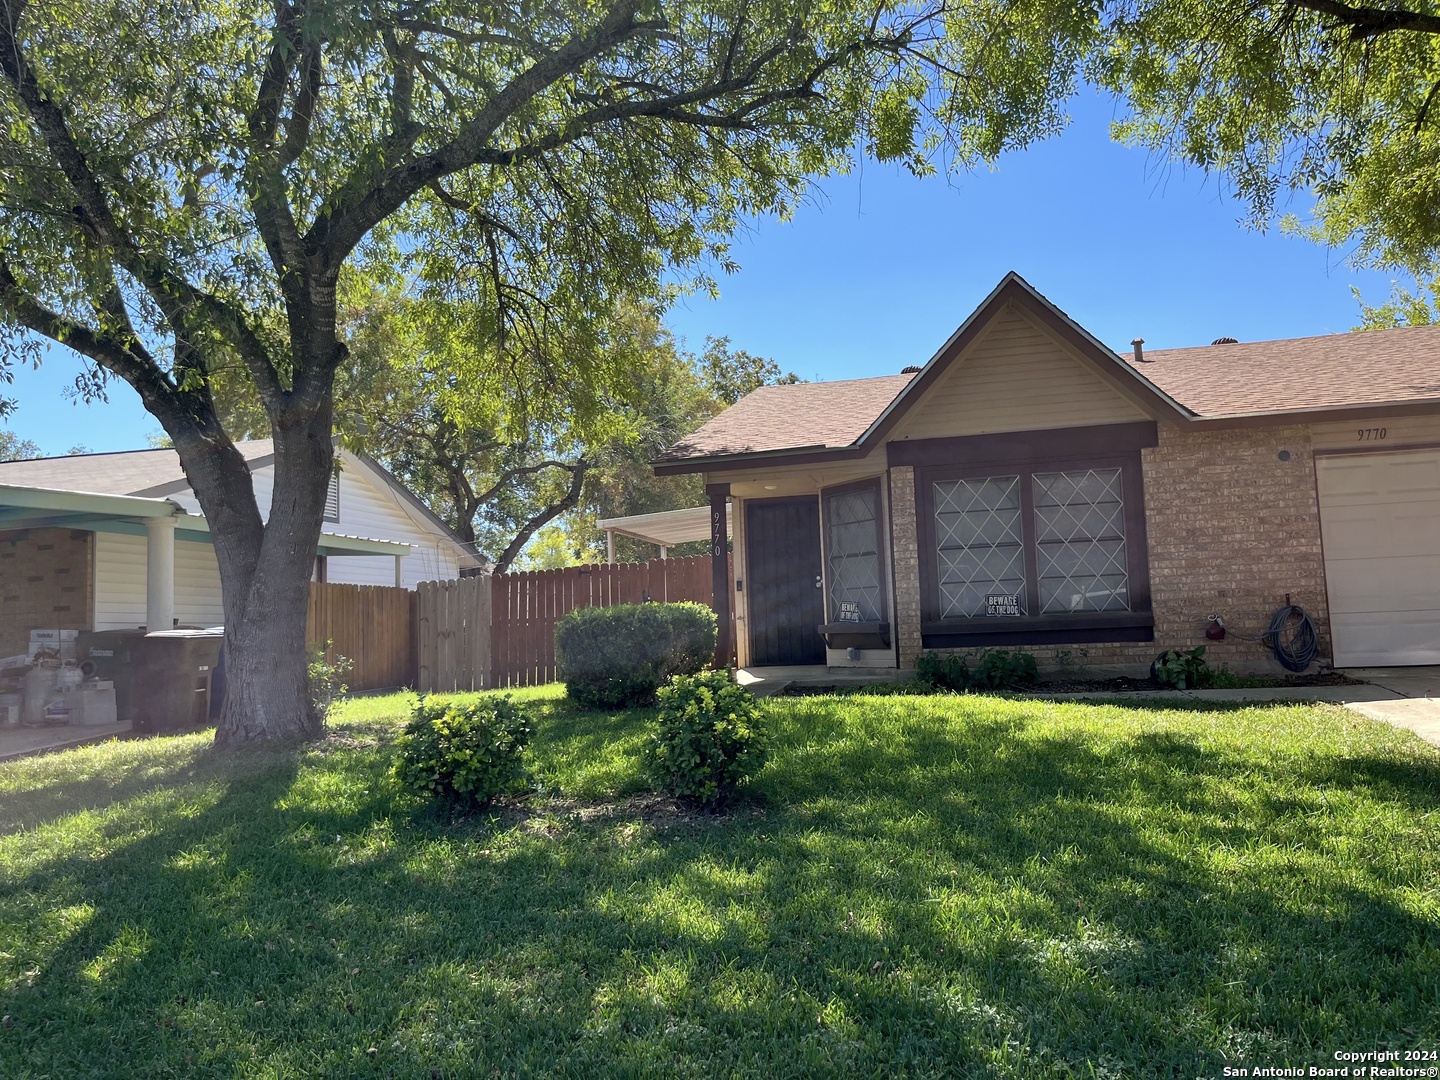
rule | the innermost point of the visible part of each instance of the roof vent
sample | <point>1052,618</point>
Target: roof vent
<point>1139,345</point>
<point>1224,341</point>
<point>910,369</point>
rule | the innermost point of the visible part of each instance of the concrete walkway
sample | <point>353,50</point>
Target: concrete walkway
<point>18,742</point>
<point>1416,704</point>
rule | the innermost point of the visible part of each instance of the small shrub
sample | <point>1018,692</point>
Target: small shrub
<point>326,675</point>
<point>709,736</point>
<point>614,657</point>
<point>994,669</point>
<point>1180,670</point>
<point>463,753</point>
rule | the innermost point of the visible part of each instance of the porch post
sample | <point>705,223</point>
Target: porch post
<point>399,571</point>
<point>720,570</point>
<point>159,574</point>
<point>610,547</point>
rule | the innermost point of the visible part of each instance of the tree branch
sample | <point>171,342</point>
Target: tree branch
<point>105,350</point>
<point>1366,22</point>
<point>340,227</point>
<point>545,516</point>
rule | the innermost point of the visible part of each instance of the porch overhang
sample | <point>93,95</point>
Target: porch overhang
<point>664,529</point>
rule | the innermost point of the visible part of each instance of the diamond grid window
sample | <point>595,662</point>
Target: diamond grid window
<point>979,542</point>
<point>1080,541</point>
<point>852,552</point>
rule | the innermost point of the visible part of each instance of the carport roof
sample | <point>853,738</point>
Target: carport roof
<point>24,507</point>
<point>666,527</point>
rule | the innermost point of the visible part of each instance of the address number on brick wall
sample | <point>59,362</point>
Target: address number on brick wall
<point>1370,434</point>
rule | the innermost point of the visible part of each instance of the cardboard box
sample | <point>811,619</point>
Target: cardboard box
<point>53,644</point>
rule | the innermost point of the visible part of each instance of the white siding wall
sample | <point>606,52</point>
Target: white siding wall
<point>120,579</point>
<point>197,585</point>
<point>369,510</point>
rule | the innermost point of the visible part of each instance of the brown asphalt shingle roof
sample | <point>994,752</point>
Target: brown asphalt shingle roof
<point>1370,367</point>
<point>789,417</point>
<point>130,472</point>
<point>1334,371</point>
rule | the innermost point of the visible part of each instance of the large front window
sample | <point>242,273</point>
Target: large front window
<point>1080,541</point>
<point>980,543</point>
<point>1033,552</point>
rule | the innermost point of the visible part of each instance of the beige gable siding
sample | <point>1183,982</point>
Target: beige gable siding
<point>1016,377</point>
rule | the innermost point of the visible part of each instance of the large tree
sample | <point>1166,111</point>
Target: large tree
<point>183,185</point>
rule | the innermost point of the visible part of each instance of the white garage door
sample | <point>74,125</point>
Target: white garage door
<point>1380,520</point>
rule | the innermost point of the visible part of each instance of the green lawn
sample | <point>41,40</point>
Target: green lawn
<point>915,887</point>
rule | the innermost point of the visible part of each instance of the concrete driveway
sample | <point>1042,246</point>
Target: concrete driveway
<point>1416,704</point>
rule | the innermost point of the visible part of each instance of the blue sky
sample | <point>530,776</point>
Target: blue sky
<point>881,267</point>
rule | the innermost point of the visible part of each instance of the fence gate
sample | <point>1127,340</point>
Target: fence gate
<point>370,625</point>
<point>453,635</point>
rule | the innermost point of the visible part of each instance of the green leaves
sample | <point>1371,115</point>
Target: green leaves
<point>708,737</point>
<point>465,754</point>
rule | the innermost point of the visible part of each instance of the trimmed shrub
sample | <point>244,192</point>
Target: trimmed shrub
<point>708,737</point>
<point>993,669</point>
<point>463,753</point>
<point>618,656</point>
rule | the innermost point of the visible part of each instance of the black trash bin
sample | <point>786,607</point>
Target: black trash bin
<point>173,673</point>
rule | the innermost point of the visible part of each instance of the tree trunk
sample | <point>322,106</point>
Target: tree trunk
<point>265,574</point>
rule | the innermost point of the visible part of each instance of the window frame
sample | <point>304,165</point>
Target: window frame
<point>1001,456</point>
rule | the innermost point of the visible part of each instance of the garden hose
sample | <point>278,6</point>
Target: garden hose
<point>1293,638</point>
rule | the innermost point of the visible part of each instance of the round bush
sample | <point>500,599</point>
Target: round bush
<point>614,657</point>
<point>708,737</point>
<point>463,753</point>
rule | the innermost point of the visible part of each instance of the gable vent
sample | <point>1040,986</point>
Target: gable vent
<point>910,369</point>
<point>1224,341</point>
<point>332,499</point>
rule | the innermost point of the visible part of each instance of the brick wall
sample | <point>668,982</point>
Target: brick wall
<point>905,546</point>
<point>1231,529</point>
<point>45,584</point>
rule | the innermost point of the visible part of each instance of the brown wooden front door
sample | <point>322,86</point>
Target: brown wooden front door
<point>782,553</point>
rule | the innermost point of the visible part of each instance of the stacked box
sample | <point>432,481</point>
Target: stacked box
<point>53,644</point>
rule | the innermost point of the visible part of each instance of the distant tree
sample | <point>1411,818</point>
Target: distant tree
<point>1420,307</point>
<point>730,374</point>
<point>14,448</point>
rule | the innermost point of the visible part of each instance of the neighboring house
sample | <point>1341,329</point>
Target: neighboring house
<point>81,535</point>
<point>1120,500</point>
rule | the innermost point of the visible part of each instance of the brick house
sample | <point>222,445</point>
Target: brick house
<point>1030,488</point>
<point>117,541</point>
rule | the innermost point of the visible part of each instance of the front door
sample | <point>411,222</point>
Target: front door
<point>787,604</point>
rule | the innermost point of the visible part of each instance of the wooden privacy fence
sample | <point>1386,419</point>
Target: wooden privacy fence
<point>452,635</point>
<point>479,633</point>
<point>372,626</point>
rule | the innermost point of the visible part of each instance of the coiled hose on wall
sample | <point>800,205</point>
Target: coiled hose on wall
<point>1293,638</point>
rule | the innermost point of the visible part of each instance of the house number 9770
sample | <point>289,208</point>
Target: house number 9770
<point>1370,434</point>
